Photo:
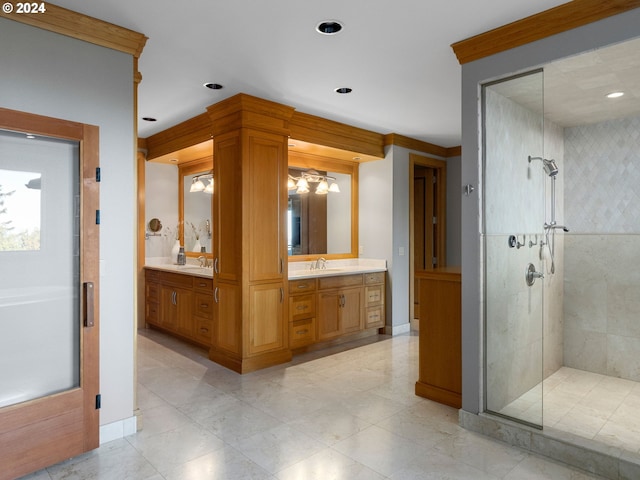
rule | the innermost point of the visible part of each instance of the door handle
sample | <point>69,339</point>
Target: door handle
<point>87,288</point>
<point>281,294</point>
<point>215,265</point>
<point>215,294</point>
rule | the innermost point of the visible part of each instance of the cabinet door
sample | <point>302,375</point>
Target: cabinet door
<point>227,326</point>
<point>227,207</point>
<point>351,310</point>
<point>266,317</point>
<point>328,314</point>
<point>175,310</point>
<point>266,208</point>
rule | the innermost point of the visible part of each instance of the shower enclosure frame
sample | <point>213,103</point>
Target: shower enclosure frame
<point>487,237</point>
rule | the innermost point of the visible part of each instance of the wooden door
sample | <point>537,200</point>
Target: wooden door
<point>43,424</point>
<point>351,310</point>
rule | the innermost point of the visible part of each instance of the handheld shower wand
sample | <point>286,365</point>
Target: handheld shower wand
<point>551,169</point>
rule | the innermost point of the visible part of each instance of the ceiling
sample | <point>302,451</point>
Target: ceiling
<point>396,56</point>
<point>576,88</point>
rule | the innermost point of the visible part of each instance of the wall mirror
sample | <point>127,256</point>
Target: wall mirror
<point>322,218</point>
<point>195,197</point>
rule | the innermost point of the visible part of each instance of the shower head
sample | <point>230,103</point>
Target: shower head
<point>549,166</point>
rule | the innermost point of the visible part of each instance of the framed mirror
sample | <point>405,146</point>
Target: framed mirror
<point>322,211</point>
<point>195,201</point>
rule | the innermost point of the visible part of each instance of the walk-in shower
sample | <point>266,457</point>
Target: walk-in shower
<point>560,341</point>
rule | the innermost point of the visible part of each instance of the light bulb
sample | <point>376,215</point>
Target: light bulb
<point>196,185</point>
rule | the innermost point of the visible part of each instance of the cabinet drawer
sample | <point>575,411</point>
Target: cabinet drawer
<point>152,291</point>
<point>374,317</point>
<point>203,331</point>
<point>200,283</point>
<point>302,333</point>
<point>339,281</point>
<point>302,286</point>
<point>373,277</point>
<point>203,305</point>
<point>152,313</point>
<point>374,295</point>
<point>177,279</point>
<point>302,306</point>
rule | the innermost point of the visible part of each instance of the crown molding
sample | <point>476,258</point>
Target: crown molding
<point>541,25</point>
<point>82,27</point>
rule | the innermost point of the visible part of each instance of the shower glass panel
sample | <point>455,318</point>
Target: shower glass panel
<point>513,216</point>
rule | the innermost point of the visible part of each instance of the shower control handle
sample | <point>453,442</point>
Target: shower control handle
<point>530,274</point>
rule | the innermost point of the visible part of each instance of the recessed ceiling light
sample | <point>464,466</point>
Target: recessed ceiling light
<point>344,90</point>
<point>174,160</point>
<point>149,119</point>
<point>357,158</point>
<point>213,86</point>
<point>615,94</point>
<point>329,27</point>
<point>292,145</point>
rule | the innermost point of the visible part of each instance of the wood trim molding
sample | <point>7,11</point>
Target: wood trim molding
<point>454,151</point>
<point>413,144</point>
<point>318,130</point>
<point>190,132</point>
<point>89,29</point>
<point>541,25</point>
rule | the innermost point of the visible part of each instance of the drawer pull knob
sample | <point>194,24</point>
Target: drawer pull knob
<point>204,330</point>
<point>204,305</point>
<point>202,284</point>
<point>302,332</point>
<point>304,285</point>
<point>301,307</point>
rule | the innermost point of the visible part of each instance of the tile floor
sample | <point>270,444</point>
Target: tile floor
<point>348,416</point>
<point>590,405</point>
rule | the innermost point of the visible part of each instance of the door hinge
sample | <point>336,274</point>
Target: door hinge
<point>97,174</point>
<point>435,220</point>
<point>98,401</point>
<point>434,179</point>
<point>435,261</point>
<point>97,217</point>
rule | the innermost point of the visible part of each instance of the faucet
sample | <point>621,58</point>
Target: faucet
<point>202,260</point>
<point>322,265</point>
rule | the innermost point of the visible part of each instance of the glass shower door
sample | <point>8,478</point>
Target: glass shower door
<point>513,215</point>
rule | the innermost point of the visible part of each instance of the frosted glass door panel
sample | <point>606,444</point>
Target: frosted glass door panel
<point>40,279</point>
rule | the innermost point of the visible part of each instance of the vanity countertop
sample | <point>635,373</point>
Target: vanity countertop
<point>297,270</point>
<point>350,266</point>
<point>188,269</point>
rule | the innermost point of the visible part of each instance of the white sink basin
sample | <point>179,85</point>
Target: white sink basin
<point>195,269</point>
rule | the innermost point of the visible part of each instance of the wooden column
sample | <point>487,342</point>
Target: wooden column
<point>250,251</point>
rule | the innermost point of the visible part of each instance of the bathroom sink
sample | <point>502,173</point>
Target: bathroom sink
<point>196,269</point>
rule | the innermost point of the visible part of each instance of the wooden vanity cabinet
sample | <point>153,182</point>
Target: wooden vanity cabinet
<point>180,304</point>
<point>374,298</point>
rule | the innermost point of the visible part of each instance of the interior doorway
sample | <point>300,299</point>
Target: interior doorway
<point>427,193</point>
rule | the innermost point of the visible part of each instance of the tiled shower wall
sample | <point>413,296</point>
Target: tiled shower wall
<point>602,279</point>
<point>516,197</point>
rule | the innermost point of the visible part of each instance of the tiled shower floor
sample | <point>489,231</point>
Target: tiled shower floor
<point>590,405</point>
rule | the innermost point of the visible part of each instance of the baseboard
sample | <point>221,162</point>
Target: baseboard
<point>119,429</point>
<point>397,329</point>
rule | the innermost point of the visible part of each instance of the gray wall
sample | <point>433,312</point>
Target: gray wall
<point>53,75</point>
<point>598,34</point>
<point>384,224</point>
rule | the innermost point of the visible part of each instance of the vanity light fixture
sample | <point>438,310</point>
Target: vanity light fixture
<point>615,94</point>
<point>197,184</point>
<point>301,184</point>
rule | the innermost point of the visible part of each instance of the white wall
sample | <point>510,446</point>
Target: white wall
<point>161,202</point>
<point>49,74</point>
<point>384,224</point>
